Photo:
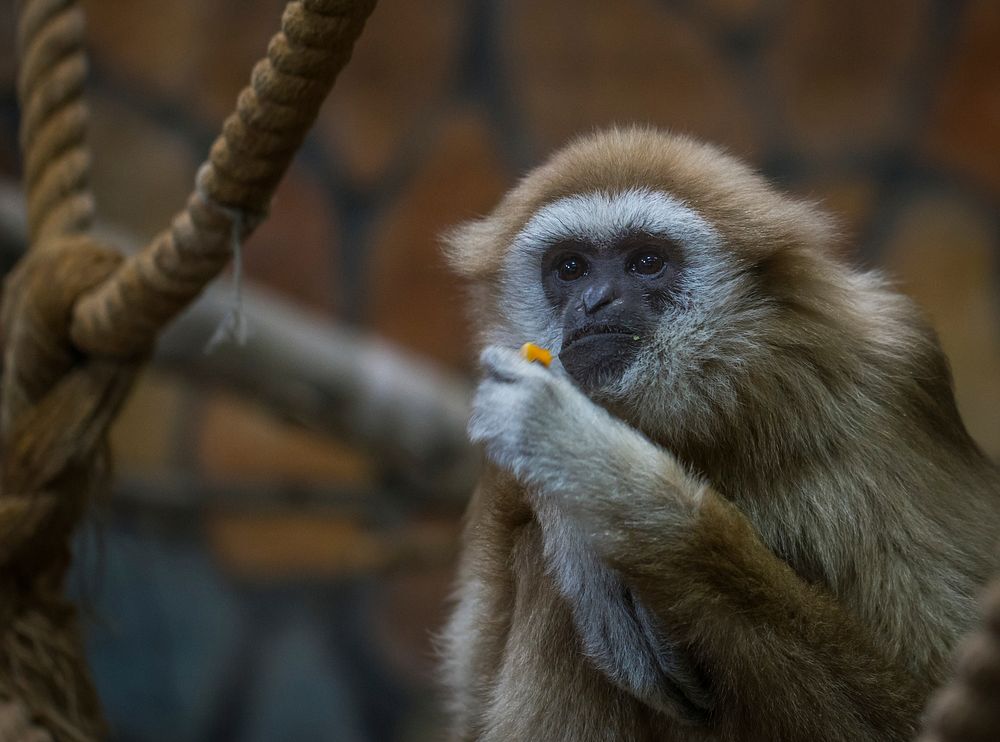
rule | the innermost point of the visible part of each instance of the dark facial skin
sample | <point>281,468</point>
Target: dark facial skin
<point>610,300</point>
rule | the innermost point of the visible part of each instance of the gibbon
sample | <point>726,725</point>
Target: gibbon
<point>740,504</point>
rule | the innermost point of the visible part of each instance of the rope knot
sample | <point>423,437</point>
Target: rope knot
<point>38,299</point>
<point>57,405</point>
<point>53,424</point>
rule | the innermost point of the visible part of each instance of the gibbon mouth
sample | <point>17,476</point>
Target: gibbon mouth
<point>601,329</point>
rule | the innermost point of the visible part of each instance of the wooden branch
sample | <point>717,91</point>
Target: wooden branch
<point>408,412</point>
<point>333,379</point>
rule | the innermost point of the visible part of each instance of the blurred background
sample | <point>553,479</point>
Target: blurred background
<point>275,556</point>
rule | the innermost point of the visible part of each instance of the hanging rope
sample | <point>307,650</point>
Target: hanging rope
<point>122,317</point>
<point>53,67</point>
<point>78,319</point>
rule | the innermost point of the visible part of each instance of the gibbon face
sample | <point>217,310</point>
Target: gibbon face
<point>610,267</point>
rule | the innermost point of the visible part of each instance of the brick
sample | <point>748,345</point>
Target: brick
<point>292,544</point>
<point>411,611</point>
<point>239,443</point>
<point>294,251</point>
<point>945,253</point>
<point>850,199</point>
<point>577,65</point>
<point>142,172</point>
<point>198,54</point>
<point>400,70</point>
<point>287,544</point>
<point>416,301</point>
<point>144,434</point>
<point>965,128</point>
<point>237,36</point>
<point>837,70</point>
<point>733,11</point>
<point>160,45</point>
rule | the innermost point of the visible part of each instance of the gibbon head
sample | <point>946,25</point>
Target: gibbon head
<point>681,291</point>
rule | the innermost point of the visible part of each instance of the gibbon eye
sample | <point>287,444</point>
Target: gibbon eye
<point>646,264</point>
<point>571,267</point>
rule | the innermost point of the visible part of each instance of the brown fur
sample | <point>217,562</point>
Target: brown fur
<point>822,577</point>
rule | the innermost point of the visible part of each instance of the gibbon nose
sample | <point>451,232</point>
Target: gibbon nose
<point>599,295</point>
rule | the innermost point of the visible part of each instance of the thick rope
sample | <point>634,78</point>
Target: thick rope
<point>57,408</point>
<point>968,708</point>
<point>77,320</point>
<point>122,317</point>
<point>50,404</point>
<point>54,118</point>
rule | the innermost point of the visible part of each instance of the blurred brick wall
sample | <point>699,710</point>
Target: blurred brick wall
<point>887,111</point>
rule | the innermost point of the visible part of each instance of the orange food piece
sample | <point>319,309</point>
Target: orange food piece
<point>536,353</point>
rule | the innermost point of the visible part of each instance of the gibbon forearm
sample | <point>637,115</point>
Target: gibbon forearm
<point>782,659</point>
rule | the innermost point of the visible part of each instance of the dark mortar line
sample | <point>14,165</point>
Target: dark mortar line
<point>483,80</point>
<point>362,208</point>
<point>742,47</point>
<point>163,111</point>
<point>919,86</point>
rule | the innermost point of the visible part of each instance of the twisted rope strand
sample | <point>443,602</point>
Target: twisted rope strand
<point>56,411</point>
<point>234,187</point>
<point>53,129</point>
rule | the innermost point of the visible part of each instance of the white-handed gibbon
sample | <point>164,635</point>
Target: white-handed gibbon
<point>741,505</point>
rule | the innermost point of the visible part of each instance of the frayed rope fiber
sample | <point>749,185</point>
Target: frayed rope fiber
<point>234,327</point>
